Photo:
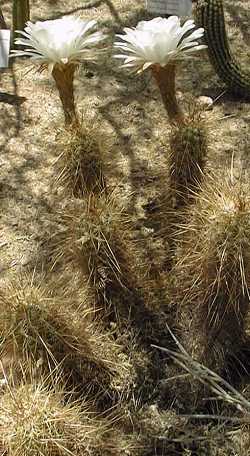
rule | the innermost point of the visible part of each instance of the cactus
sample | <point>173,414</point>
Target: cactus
<point>2,21</point>
<point>188,152</point>
<point>210,15</point>
<point>212,272</point>
<point>20,14</point>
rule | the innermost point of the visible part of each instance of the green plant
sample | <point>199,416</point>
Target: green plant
<point>210,15</point>
<point>94,235</point>
<point>188,155</point>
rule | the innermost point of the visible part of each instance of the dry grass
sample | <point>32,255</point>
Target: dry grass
<point>223,390</point>
<point>213,269</point>
<point>231,407</point>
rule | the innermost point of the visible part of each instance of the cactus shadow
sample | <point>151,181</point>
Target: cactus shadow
<point>221,95</point>
<point>11,120</point>
<point>237,366</point>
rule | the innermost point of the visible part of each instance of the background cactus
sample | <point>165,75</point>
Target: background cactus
<point>210,15</point>
<point>20,14</point>
<point>2,21</point>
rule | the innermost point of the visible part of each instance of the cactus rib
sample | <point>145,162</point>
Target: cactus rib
<point>210,15</point>
<point>20,14</point>
<point>2,21</point>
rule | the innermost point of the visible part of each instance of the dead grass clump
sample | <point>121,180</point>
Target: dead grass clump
<point>188,152</point>
<point>35,421</point>
<point>228,426</point>
<point>80,166</point>
<point>212,274</point>
<point>50,334</point>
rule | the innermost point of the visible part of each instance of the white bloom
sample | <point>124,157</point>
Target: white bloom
<point>158,41</point>
<point>65,40</point>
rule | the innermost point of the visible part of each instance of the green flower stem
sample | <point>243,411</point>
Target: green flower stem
<point>64,79</point>
<point>165,79</point>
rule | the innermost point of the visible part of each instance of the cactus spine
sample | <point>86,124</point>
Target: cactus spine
<point>210,15</point>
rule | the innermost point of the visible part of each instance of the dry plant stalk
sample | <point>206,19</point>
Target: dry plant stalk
<point>212,274</point>
<point>80,166</point>
<point>188,154</point>
<point>220,387</point>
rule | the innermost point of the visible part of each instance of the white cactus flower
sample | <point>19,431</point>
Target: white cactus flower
<point>60,45</point>
<point>158,42</point>
<point>60,41</point>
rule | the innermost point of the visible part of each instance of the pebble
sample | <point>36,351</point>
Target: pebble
<point>207,102</point>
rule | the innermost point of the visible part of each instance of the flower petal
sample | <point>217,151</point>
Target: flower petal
<point>157,41</point>
<point>60,40</point>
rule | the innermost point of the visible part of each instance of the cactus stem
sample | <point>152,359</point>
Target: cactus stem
<point>64,79</point>
<point>210,15</point>
<point>165,79</point>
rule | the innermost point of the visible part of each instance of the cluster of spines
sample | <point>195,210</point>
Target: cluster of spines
<point>212,271</point>
<point>188,155</point>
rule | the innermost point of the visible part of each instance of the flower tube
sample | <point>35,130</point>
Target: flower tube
<point>159,44</point>
<point>60,45</point>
